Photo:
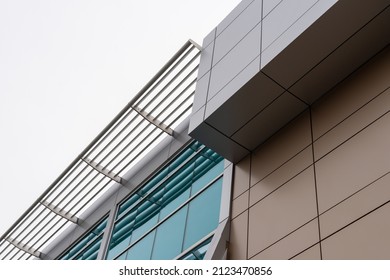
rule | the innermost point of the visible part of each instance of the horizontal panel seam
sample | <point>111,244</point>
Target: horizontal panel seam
<point>352,136</point>
<point>353,113</point>
<point>295,230</point>
<point>356,192</point>
<point>280,166</point>
<point>356,220</point>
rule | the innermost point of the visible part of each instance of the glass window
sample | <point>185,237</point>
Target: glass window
<point>198,252</point>
<point>142,229</point>
<point>169,208</point>
<point>167,205</point>
<point>142,249</point>
<point>169,237</point>
<point>203,214</point>
<point>87,248</point>
<point>207,177</point>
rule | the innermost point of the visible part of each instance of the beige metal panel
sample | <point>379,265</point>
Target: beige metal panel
<point>281,147</point>
<point>356,122</point>
<point>367,238</point>
<point>282,212</point>
<point>281,175</point>
<point>241,176</point>
<point>292,244</point>
<point>240,204</point>
<point>353,93</point>
<point>356,206</point>
<point>354,165</point>
<point>239,237</point>
<point>312,253</point>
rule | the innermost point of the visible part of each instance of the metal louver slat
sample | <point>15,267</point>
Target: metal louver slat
<point>168,99</point>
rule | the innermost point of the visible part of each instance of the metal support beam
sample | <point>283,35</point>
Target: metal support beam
<point>199,47</point>
<point>153,121</point>
<point>64,214</point>
<point>24,248</point>
<point>105,171</point>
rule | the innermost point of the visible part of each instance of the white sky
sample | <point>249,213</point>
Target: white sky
<point>67,67</point>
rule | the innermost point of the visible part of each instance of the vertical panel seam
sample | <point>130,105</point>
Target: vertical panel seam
<point>247,226</point>
<point>315,181</point>
<point>210,74</point>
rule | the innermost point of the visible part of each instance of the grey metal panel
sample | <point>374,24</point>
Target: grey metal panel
<point>269,5</point>
<point>269,121</point>
<point>200,97</point>
<point>219,142</point>
<point>209,38</point>
<point>235,61</point>
<point>233,15</point>
<point>206,58</point>
<point>226,164</point>
<point>232,87</point>
<point>218,247</point>
<point>219,244</point>
<point>197,118</point>
<point>346,58</point>
<point>309,46</point>
<point>295,30</point>
<point>104,245</point>
<point>244,104</point>
<point>237,30</point>
<point>226,193</point>
<point>281,18</point>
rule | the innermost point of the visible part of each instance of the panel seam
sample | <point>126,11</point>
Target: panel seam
<point>315,181</point>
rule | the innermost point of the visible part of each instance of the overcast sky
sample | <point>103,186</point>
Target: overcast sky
<point>67,67</point>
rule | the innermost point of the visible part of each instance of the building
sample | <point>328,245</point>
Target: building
<point>283,153</point>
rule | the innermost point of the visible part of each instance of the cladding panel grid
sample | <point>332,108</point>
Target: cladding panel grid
<point>358,165</point>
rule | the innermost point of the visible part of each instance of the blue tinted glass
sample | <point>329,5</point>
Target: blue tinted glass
<point>203,214</point>
<point>119,246</point>
<point>142,249</point>
<point>91,252</point>
<point>142,229</point>
<point>173,205</point>
<point>122,257</point>
<point>88,246</point>
<point>128,204</point>
<point>121,235</point>
<point>169,236</point>
<point>183,157</point>
<point>192,170</point>
<point>198,252</point>
<point>207,178</point>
